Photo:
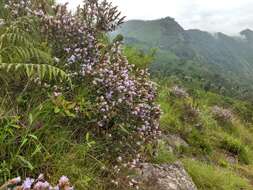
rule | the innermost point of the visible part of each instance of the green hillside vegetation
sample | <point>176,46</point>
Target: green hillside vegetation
<point>219,152</point>
<point>68,101</point>
<point>78,106</point>
<point>216,128</point>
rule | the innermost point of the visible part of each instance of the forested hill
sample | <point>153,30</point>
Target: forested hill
<point>220,60</point>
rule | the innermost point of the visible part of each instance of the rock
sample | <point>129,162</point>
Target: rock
<point>232,159</point>
<point>164,177</point>
<point>175,141</point>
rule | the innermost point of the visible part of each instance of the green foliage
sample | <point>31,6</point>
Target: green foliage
<point>198,140</point>
<point>232,145</point>
<point>44,140</point>
<point>163,154</point>
<point>52,119</point>
<point>20,53</point>
<point>139,58</point>
<point>208,177</point>
<point>79,163</point>
<point>53,129</point>
<point>225,145</point>
<point>19,148</point>
<point>236,147</point>
<point>43,71</point>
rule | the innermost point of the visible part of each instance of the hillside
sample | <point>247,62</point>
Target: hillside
<point>225,61</point>
<point>79,110</point>
<point>211,134</point>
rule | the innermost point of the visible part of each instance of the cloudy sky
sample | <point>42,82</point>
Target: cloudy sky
<point>228,16</point>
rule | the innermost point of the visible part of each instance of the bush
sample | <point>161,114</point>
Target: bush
<point>199,141</point>
<point>190,113</point>
<point>110,98</point>
<point>120,93</point>
<point>221,114</point>
<point>179,92</point>
<point>236,147</point>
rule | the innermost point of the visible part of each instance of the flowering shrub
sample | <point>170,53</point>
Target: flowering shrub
<point>222,114</point>
<point>191,112</point>
<point>121,96</point>
<point>179,92</point>
<point>36,184</point>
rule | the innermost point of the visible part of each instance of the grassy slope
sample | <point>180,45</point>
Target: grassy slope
<point>210,141</point>
<point>54,149</point>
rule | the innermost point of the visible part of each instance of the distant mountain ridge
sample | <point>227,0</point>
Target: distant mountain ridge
<point>229,58</point>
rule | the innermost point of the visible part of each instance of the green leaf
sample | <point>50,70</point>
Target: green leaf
<point>33,136</point>
<point>30,119</point>
<point>25,162</point>
<point>56,110</point>
<point>23,142</point>
<point>68,113</point>
<point>37,150</point>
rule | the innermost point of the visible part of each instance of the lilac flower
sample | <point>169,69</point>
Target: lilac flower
<point>41,186</point>
<point>27,184</point>
<point>72,59</point>
<point>122,93</point>
<point>63,181</point>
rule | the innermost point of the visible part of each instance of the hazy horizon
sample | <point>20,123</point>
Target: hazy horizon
<point>227,16</point>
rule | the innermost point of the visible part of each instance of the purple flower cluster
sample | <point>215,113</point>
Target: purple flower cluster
<point>74,40</point>
<point>122,94</point>
<point>222,114</point>
<point>37,184</point>
<point>19,8</point>
<point>125,96</point>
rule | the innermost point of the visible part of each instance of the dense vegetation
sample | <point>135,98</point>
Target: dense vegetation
<point>218,135</point>
<point>70,101</point>
<point>75,102</point>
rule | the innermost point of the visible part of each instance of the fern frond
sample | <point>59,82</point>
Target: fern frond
<point>20,51</point>
<point>15,38</point>
<point>41,70</point>
<point>25,54</point>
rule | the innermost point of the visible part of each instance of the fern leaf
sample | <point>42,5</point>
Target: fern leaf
<point>42,70</point>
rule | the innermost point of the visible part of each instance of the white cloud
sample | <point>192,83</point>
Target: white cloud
<point>229,16</point>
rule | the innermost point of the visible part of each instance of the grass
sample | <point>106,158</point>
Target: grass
<point>236,147</point>
<point>85,160</point>
<point>163,155</point>
<point>210,140</point>
<point>208,177</point>
<point>81,167</point>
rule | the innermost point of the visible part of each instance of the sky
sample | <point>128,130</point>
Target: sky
<point>227,16</point>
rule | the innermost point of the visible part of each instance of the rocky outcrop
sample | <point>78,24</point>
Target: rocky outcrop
<point>164,177</point>
<point>174,141</point>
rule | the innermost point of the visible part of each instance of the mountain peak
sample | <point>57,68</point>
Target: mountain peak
<point>168,18</point>
<point>246,32</point>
